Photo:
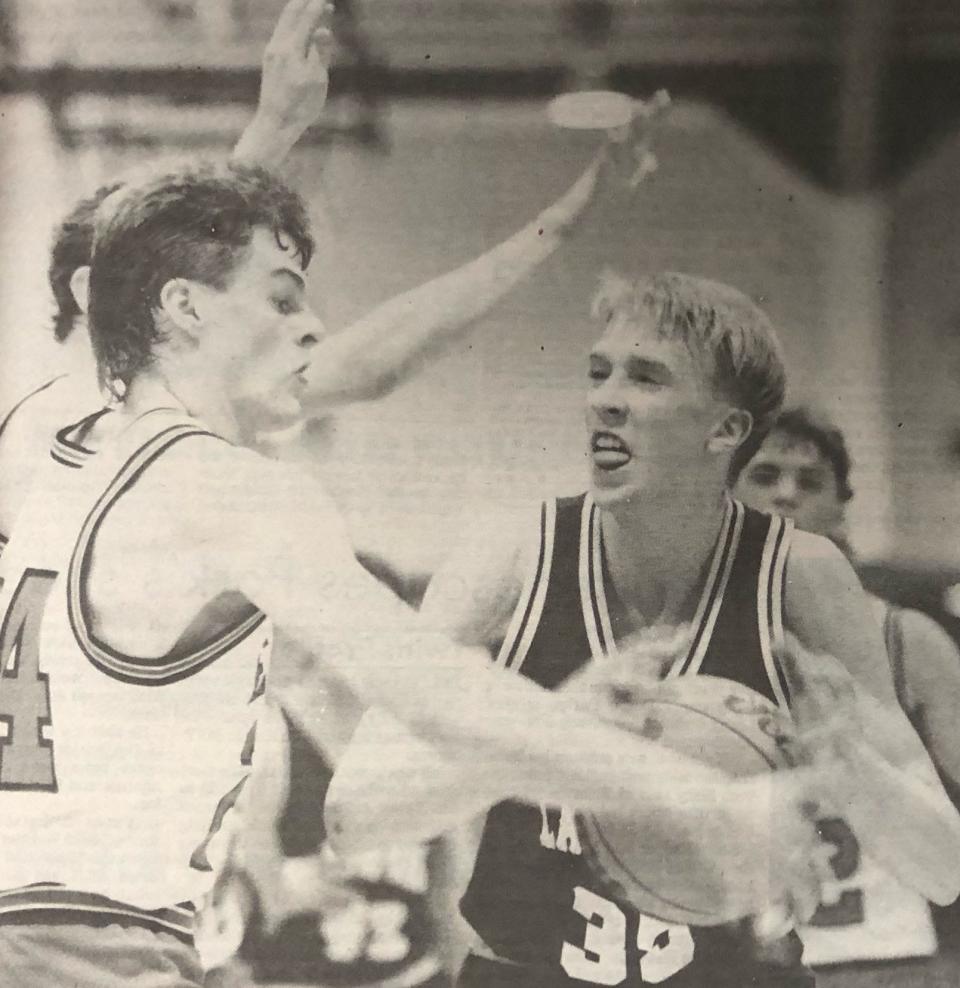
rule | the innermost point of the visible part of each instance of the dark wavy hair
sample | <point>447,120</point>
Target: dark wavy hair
<point>195,223</point>
<point>72,247</point>
<point>807,425</point>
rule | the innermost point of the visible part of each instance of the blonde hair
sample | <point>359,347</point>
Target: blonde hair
<point>726,332</point>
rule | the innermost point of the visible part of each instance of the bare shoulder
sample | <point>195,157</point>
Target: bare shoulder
<point>232,490</point>
<point>474,592</point>
<point>826,607</point>
<point>928,650</point>
<point>815,552</point>
<point>819,577</point>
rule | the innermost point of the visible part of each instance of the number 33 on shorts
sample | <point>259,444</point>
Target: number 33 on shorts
<point>665,948</point>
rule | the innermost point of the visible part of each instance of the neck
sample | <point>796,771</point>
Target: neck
<point>657,551</point>
<point>154,389</point>
<point>78,356</point>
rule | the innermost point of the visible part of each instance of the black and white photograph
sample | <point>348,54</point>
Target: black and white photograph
<point>479,493</point>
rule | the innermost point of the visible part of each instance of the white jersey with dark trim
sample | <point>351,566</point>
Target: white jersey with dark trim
<point>111,766</point>
<point>867,915</point>
<point>26,430</point>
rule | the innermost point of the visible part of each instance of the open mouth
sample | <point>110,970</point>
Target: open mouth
<point>300,375</point>
<point>610,452</point>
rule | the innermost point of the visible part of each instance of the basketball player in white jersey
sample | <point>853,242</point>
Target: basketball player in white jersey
<point>364,362</point>
<point>293,92</point>
<point>686,371</point>
<point>802,471</point>
<point>136,626</point>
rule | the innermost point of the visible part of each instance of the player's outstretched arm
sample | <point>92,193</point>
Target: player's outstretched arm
<point>385,348</point>
<point>882,763</point>
<point>293,559</point>
<point>293,84</point>
<point>425,786</point>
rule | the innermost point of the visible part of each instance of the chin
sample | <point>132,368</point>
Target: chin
<point>609,489</point>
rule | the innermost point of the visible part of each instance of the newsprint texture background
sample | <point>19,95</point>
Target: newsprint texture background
<point>812,159</point>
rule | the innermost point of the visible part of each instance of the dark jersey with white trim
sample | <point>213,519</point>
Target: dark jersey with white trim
<point>533,900</point>
<point>111,765</point>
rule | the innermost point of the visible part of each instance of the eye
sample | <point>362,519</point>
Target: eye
<point>811,485</point>
<point>285,306</point>
<point>764,476</point>
<point>599,370</point>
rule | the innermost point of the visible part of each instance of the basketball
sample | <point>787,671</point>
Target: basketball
<point>716,721</point>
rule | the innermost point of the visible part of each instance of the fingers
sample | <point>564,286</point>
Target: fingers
<point>650,653</point>
<point>301,25</point>
<point>286,26</point>
<point>315,26</point>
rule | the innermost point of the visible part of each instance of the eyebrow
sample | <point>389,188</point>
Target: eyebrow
<point>645,366</point>
<point>291,274</point>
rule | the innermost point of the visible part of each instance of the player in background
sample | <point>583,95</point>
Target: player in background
<point>802,471</point>
<point>143,600</point>
<point>684,374</point>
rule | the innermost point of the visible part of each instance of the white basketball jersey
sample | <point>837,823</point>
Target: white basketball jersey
<point>867,914</point>
<point>111,766</point>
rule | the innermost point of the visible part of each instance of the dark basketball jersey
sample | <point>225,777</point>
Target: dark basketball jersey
<point>387,938</point>
<point>532,899</point>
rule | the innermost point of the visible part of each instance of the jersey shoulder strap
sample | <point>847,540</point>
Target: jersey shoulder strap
<point>529,608</point>
<point>138,446</point>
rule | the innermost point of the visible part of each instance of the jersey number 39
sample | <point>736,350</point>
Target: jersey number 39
<point>26,756</point>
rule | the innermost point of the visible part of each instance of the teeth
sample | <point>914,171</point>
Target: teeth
<point>609,444</point>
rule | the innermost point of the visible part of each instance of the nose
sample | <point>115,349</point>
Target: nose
<point>607,403</point>
<point>786,497</point>
<point>310,331</point>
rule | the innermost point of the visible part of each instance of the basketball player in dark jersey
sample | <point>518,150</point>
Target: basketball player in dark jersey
<point>685,372</point>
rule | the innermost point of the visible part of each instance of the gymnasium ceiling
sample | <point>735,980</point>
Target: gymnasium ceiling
<point>782,67</point>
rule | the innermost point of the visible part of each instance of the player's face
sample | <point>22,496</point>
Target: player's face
<point>260,332</point>
<point>789,476</point>
<point>649,411</point>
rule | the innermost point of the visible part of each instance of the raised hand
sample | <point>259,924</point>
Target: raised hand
<point>619,167</point>
<point>294,82</point>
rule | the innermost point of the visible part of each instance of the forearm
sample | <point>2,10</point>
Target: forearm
<point>500,736</point>
<point>266,141</point>
<point>919,841</point>
<point>376,354</point>
<point>391,787</point>
<point>930,845</point>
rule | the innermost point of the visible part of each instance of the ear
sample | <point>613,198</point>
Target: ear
<point>178,304</point>
<point>80,287</point>
<point>730,431</point>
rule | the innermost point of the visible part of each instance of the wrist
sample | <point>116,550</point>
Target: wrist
<point>267,139</point>
<point>558,220</point>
